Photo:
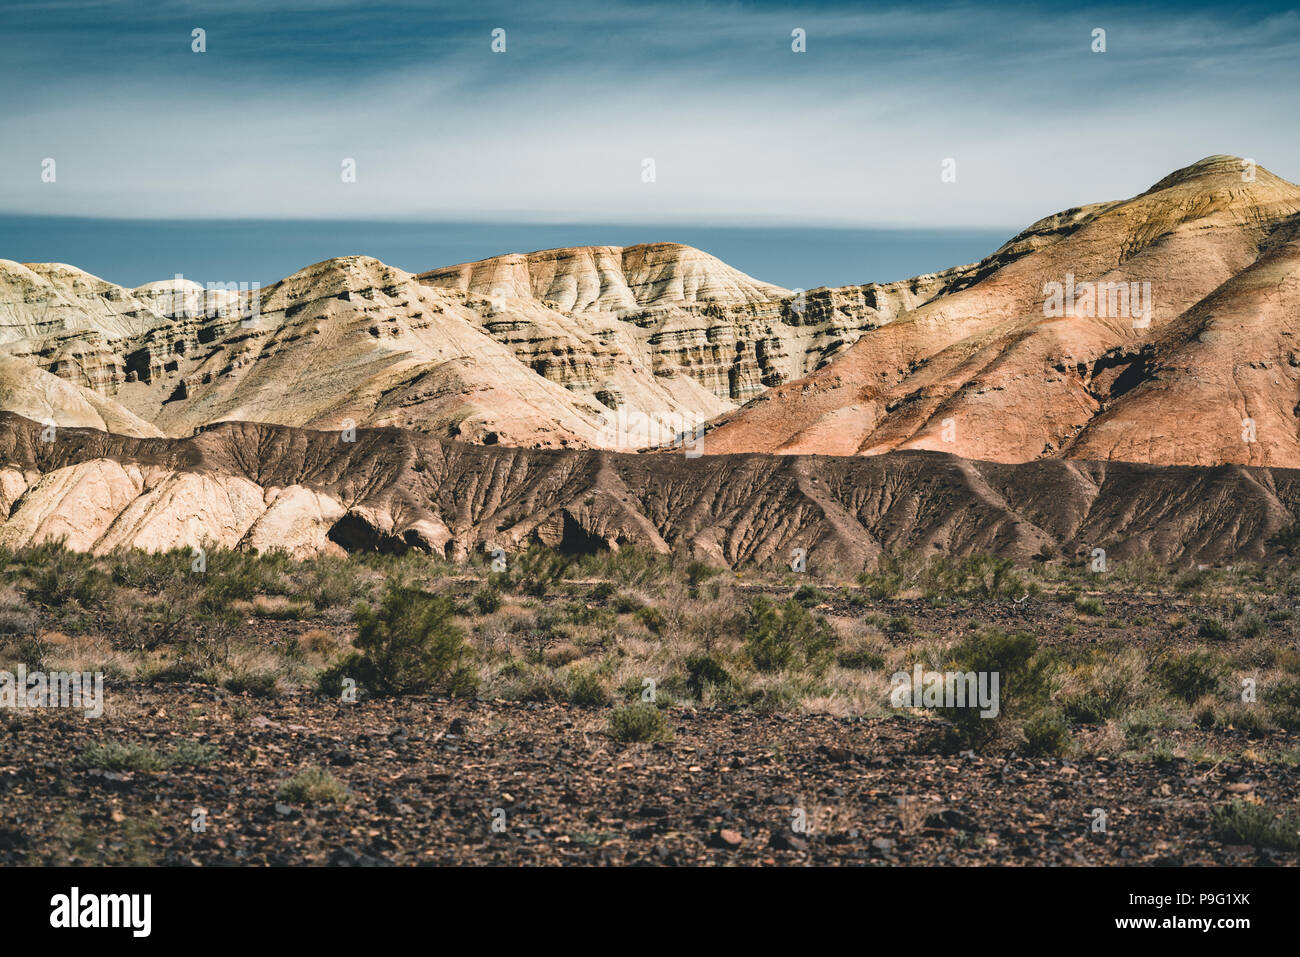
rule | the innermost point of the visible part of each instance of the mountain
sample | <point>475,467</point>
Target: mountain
<point>259,486</point>
<point>1000,367</point>
<point>1159,329</point>
<point>609,279</point>
<point>592,347</point>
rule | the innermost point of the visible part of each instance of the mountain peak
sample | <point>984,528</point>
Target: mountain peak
<point>608,278</point>
<point>1220,165</point>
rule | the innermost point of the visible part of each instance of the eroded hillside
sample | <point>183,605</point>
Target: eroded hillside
<point>266,487</point>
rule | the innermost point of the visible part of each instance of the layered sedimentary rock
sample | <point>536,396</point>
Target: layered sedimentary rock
<point>346,342</point>
<point>30,391</point>
<point>1159,329</point>
<point>597,347</point>
<point>262,487</point>
<point>681,311</point>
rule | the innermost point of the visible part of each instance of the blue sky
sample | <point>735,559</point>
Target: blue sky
<point>742,131</point>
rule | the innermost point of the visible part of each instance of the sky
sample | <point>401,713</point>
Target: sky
<point>742,131</point>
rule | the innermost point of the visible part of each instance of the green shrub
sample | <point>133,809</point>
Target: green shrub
<point>192,754</point>
<point>698,572</point>
<point>891,576</point>
<point>1283,701</point>
<point>119,756</point>
<point>586,689</point>
<point>854,598</point>
<point>809,595</point>
<point>972,576</point>
<point>67,578</point>
<point>627,604</point>
<point>1213,629</point>
<point>630,689</point>
<point>487,600</point>
<point>780,636</point>
<point>1045,732</point>
<point>539,569</point>
<point>702,671</point>
<point>1026,715</point>
<point>638,722</point>
<point>410,644</point>
<point>1087,606</point>
<point>1193,675</point>
<point>332,581</point>
<point>1241,822</point>
<point>313,786</point>
<point>652,618</point>
<point>150,572</point>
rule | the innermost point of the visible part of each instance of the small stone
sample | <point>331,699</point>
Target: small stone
<point>781,841</point>
<point>727,838</point>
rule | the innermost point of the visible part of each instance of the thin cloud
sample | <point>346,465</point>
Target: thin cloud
<point>740,128</point>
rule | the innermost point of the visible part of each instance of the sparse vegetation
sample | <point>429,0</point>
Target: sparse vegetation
<point>780,636</point>
<point>1140,664</point>
<point>1088,606</point>
<point>312,786</point>
<point>639,722</point>
<point>1192,675</point>
<point>589,630</point>
<point>411,643</point>
<point>586,689</point>
<point>1243,822</point>
<point>1027,718</point>
<point>112,755</point>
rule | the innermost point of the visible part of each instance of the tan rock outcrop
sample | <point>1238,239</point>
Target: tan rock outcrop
<point>29,391</point>
<point>987,370</point>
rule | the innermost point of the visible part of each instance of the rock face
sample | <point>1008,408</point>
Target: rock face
<point>28,390</point>
<point>680,311</point>
<point>599,347</point>
<point>1000,367</point>
<point>613,279</point>
<point>262,487</point>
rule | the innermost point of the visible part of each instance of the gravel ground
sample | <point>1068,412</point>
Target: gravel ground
<point>432,781</point>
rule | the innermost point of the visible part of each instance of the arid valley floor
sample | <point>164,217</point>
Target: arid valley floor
<point>553,756</point>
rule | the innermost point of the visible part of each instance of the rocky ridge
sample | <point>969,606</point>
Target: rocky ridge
<point>262,487</point>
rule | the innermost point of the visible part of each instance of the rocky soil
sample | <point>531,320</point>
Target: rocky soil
<point>426,778</point>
